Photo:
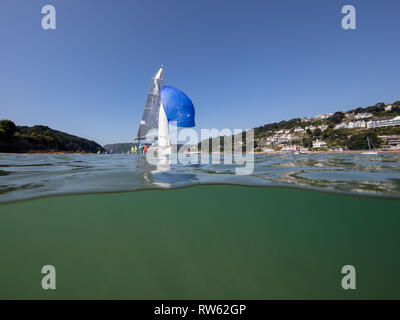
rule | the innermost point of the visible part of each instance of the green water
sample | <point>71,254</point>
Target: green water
<point>203,242</point>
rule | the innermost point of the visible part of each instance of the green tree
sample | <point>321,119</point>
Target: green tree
<point>7,128</point>
<point>337,117</point>
<point>317,132</point>
<point>359,141</point>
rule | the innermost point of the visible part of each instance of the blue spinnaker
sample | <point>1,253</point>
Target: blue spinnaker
<point>178,107</point>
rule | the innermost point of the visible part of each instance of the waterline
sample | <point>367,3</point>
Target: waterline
<point>31,176</point>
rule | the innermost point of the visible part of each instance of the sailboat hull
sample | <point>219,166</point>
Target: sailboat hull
<point>370,152</point>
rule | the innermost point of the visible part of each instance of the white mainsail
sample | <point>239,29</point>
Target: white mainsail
<point>151,108</point>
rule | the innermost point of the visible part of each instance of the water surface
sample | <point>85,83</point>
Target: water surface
<point>30,176</point>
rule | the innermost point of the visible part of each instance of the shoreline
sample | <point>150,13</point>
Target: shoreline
<point>46,152</point>
<point>332,152</point>
<point>256,152</point>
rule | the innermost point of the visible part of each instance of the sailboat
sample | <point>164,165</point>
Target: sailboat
<point>370,151</point>
<point>164,104</point>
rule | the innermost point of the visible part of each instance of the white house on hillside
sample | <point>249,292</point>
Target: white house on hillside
<point>351,125</point>
<point>312,128</point>
<point>386,122</point>
<point>323,127</point>
<point>319,144</point>
<point>322,116</point>
<point>363,115</point>
<point>342,125</point>
<point>357,124</point>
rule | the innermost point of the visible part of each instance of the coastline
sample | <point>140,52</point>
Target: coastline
<point>332,152</point>
<point>255,152</point>
<point>46,152</point>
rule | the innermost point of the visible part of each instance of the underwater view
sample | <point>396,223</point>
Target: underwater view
<point>283,232</point>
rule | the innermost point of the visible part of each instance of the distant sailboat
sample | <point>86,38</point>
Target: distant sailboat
<point>164,104</point>
<point>370,151</point>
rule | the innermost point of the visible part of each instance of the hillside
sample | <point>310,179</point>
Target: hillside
<point>348,129</point>
<point>118,147</point>
<point>339,130</point>
<point>21,139</point>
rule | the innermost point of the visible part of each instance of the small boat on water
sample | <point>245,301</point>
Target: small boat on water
<point>267,150</point>
<point>370,151</point>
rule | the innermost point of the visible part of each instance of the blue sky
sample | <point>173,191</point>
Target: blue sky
<point>243,63</point>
